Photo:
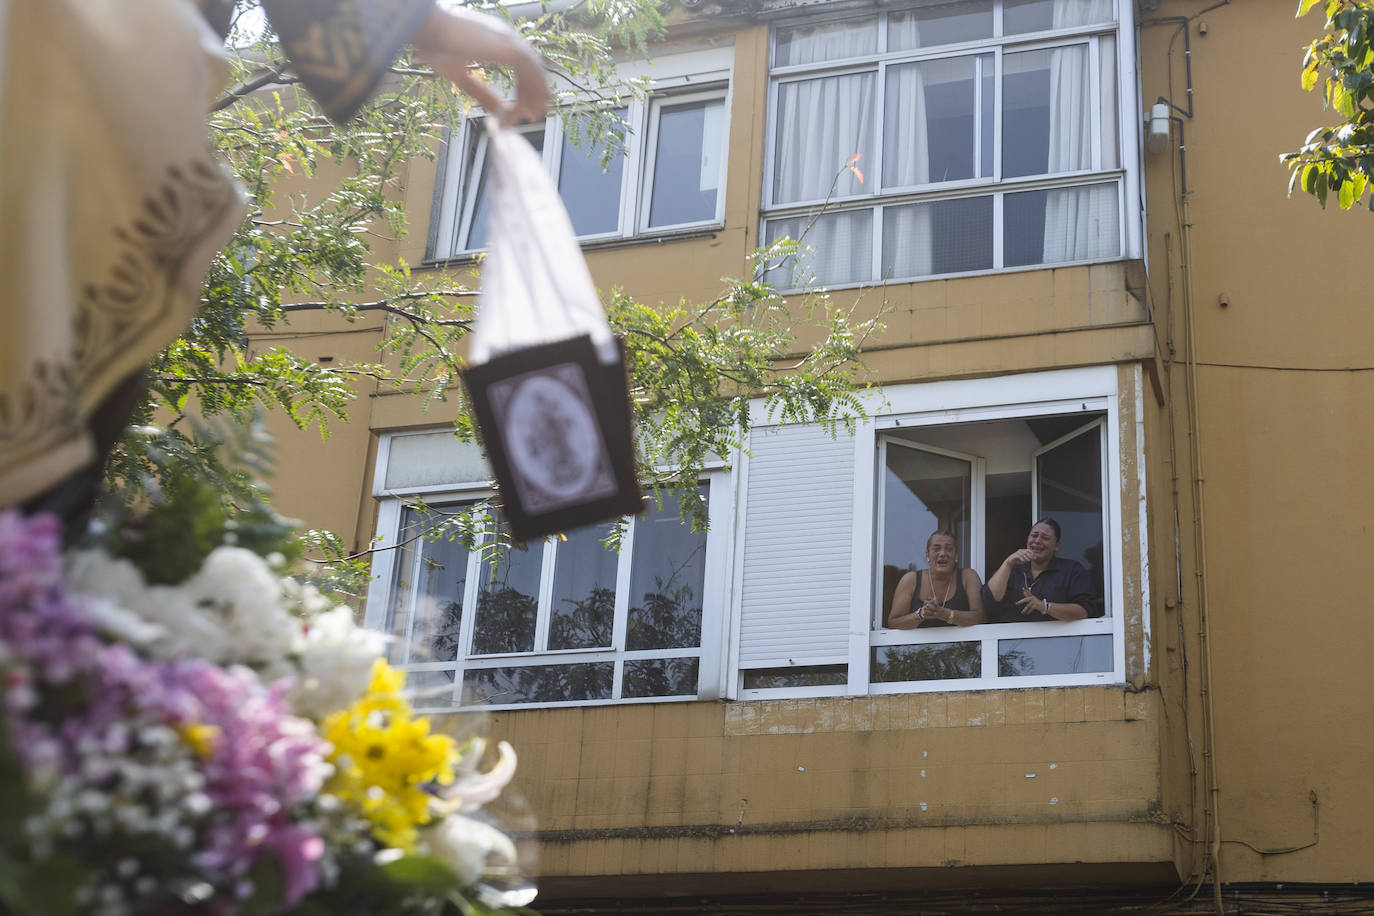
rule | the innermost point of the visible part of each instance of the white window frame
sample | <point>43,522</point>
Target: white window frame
<point>1090,390</point>
<point>690,76</point>
<point>873,198</point>
<point>711,653</point>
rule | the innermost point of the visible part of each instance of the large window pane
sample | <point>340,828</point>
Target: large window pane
<point>583,611</point>
<point>932,126</point>
<point>667,580</point>
<point>661,677</point>
<point>590,191</point>
<point>440,580</point>
<point>1069,490</point>
<point>808,44</point>
<point>542,684</point>
<point>1047,112</point>
<point>931,662</point>
<point>947,23</point>
<point>508,600</point>
<point>1063,224</point>
<point>923,492</point>
<point>941,237</point>
<point>687,163</point>
<point>837,249</point>
<point>1058,655</point>
<point>821,125</point>
<point>1021,16</point>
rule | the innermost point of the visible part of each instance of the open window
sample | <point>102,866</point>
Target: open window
<point>830,524</point>
<point>988,481</point>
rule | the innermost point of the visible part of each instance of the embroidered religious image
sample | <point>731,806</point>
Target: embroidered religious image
<point>548,424</point>
<point>555,421</point>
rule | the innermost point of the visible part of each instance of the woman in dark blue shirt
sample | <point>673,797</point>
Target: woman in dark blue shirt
<point>1035,584</point>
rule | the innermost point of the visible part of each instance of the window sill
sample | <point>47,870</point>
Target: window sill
<point>469,259</point>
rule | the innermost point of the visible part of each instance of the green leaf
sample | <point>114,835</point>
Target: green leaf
<point>424,872</point>
<point>1305,6</point>
<point>1345,194</point>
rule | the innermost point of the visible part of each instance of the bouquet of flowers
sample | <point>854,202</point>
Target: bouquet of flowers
<point>230,744</point>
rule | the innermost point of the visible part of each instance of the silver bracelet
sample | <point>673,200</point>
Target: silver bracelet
<point>1047,610</point>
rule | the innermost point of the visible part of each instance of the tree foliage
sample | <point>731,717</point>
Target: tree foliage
<point>321,196</point>
<point>1339,160</point>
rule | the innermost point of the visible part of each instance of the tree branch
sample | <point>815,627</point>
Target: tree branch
<point>251,86</point>
<point>385,305</point>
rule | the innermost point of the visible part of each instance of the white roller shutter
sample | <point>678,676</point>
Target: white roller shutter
<point>798,531</point>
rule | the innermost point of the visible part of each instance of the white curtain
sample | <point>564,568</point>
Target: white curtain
<point>836,249</point>
<point>822,124</point>
<point>826,41</point>
<point>906,161</point>
<point>1069,213</point>
<point>906,158</point>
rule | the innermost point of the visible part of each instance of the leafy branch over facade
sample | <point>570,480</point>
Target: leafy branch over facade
<point>325,200</point>
<point>1339,160</point>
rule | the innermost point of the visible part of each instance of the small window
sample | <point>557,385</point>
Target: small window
<point>667,174</point>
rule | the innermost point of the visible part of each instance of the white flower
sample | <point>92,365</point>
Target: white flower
<point>186,629</point>
<point>248,596</point>
<point>472,789</point>
<point>335,659</point>
<point>113,620</point>
<point>470,847</point>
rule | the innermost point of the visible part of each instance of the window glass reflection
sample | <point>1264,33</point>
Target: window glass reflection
<point>583,610</point>
<point>687,163</point>
<point>930,662</point>
<point>667,579</point>
<point>541,684</point>
<point>660,677</point>
<point>1057,655</point>
<point>590,191</point>
<point>440,582</point>
<point>508,600</point>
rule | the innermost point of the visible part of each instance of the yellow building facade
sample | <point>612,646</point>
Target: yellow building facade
<point>1140,335</point>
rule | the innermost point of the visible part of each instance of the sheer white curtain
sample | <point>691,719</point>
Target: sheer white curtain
<point>826,41</point>
<point>906,159</point>
<point>1073,217</point>
<point>821,124</point>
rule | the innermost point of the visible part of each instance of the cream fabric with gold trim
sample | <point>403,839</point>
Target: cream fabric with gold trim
<point>111,207</point>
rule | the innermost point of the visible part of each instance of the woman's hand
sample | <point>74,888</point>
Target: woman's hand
<point>1029,602</point>
<point>452,41</point>
<point>1018,557</point>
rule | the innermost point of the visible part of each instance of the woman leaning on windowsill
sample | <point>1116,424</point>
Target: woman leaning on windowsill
<point>942,595</point>
<point>1047,587</point>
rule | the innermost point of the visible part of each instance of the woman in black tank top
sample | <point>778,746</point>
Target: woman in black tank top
<point>944,595</point>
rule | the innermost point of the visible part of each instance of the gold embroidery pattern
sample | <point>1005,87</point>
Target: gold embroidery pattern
<point>42,411</point>
<point>342,53</point>
<point>137,294</point>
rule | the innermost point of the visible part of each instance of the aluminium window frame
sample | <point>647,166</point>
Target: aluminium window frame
<point>712,651</point>
<point>696,74</point>
<point>1090,389</point>
<point>1054,393</point>
<point>1125,177</point>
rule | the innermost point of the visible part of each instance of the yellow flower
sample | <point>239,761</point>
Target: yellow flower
<point>384,756</point>
<point>201,738</point>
